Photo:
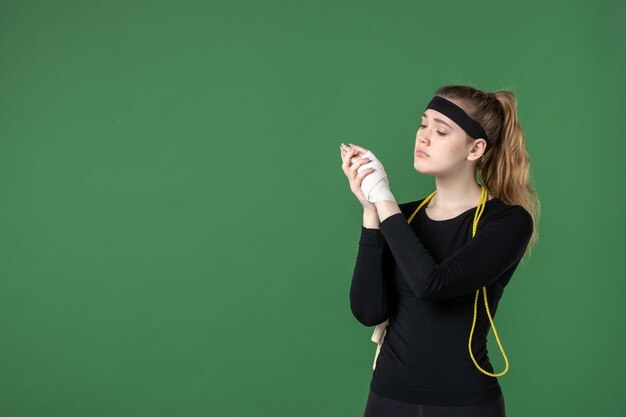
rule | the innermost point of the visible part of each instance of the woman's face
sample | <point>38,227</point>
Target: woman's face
<point>447,145</point>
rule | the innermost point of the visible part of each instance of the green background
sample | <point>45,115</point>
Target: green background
<point>177,237</point>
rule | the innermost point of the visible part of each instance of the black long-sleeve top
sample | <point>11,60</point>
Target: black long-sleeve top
<point>423,277</point>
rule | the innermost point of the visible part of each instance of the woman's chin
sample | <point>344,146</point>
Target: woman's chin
<point>418,167</point>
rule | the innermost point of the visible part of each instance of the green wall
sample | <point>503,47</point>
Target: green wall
<point>177,237</point>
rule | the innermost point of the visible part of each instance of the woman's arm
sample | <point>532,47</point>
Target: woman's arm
<point>370,218</point>
<point>368,291</point>
<point>497,246</point>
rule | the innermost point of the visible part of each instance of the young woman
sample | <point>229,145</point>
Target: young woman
<point>430,273</point>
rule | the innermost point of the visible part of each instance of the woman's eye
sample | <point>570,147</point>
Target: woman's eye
<point>440,134</point>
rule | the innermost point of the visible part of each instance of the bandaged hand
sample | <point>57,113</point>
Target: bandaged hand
<point>375,186</point>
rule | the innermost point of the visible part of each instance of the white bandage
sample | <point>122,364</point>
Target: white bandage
<point>378,337</point>
<point>375,185</point>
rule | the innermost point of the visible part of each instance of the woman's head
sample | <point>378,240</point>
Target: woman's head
<point>459,134</point>
<point>496,154</point>
<point>450,149</point>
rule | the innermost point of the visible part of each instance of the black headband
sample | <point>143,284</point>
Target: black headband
<point>454,112</point>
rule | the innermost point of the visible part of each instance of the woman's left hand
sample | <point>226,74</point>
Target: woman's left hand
<point>375,186</point>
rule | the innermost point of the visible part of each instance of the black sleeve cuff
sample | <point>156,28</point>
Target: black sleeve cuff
<point>370,236</point>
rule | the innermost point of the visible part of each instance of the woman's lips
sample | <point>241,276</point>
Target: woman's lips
<point>421,154</point>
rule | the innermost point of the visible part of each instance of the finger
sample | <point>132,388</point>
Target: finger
<point>343,154</point>
<point>359,178</point>
<point>365,172</point>
<point>360,159</point>
<point>357,164</point>
<point>346,162</point>
<point>359,148</point>
<point>347,156</point>
<point>345,148</point>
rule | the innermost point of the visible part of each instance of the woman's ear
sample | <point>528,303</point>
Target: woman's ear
<point>479,148</point>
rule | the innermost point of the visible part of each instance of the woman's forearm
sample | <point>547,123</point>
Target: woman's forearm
<point>368,291</point>
<point>370,218</point>
<point>386,209</point>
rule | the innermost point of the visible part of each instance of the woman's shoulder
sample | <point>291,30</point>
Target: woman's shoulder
<point>500,208</point>
<point>509,216</point>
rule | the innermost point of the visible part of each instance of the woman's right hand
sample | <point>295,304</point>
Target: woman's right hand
<point>348,153</point>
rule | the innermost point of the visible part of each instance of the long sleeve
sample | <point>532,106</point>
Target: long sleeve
<point>368,291</point>
<point>497,246</point>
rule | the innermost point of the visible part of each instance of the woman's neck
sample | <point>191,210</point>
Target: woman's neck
<point>452,195</point>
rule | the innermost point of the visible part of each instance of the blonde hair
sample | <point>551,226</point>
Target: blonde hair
<point>504,169</point>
